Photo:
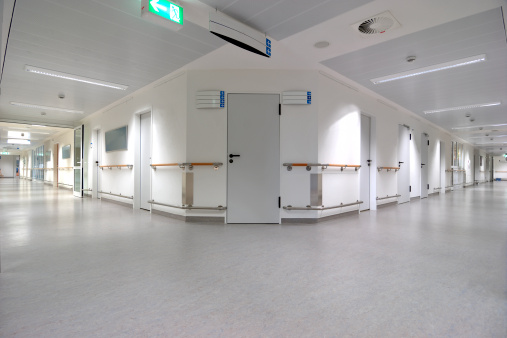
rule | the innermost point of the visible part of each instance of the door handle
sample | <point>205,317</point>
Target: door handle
<point>232,155</point>
<point>400,163</point>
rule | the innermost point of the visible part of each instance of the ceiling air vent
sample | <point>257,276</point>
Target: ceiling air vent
<point>377,24</point>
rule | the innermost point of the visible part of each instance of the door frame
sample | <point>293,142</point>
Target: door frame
<point>406,164</point>
<point>373,164</point>
<point>80,192</point>
<point>137,156</point>
<point>279,147</point>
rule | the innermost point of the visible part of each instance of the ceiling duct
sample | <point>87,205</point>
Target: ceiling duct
<point>377,24</point>
<point>239,34</point>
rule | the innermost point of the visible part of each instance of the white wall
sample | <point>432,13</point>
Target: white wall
<point>500,167</point>
<point>327,131</point>
<point>167,102</point>
<point>207,133</point>
<point>8,165</point>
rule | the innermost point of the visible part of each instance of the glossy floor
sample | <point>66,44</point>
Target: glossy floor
<point>79,267</point>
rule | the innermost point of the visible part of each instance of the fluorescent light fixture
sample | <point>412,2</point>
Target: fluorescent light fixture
<point>18,134</point>
<point>472,106</point>
<point>483,126</point>
<point>35,106</point>
<point>483,144</point>
<point>430,69</point>
<point>489,136</point>
<point>17,141</point>
<point>38,125</point>
<point>78,78</point>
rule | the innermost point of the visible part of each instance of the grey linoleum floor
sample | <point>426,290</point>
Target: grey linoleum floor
<point>81,268</point>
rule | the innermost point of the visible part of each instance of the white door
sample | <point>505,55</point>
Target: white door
<point>145,174</point>
<point>253,170</point>
<point>78,161</point>
<point>424,165</point>
<point>404,164</point>
<point>364,172</point>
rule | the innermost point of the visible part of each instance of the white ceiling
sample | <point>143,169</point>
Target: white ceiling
<point>108,40</point>
<point>37,135</point>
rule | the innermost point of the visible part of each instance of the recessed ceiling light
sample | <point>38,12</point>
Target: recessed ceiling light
<point>480,127</point>
<point>78,78</point>
<point>463,107</point>
<point>430,69</point>
<point>18,141</point>
<point>35,106</point>
<point>321,44</point>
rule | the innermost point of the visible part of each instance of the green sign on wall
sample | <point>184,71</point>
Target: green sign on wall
<point>167,10</point>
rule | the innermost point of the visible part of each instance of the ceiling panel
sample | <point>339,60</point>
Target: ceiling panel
<point>105,40</point>
<point>283,18</point>
<point>482,33</point>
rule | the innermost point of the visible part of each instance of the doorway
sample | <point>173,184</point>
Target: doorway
<point>425,143</point>
<point>253,148</point>
<point>78,161</point>
<point>404,188</point>
<point>364,172</point>
<point>145,161</point>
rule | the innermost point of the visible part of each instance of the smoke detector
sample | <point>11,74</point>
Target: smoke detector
<point>377,24</point>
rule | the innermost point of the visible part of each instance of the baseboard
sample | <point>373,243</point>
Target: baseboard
<point>433,194</point>
<point>204,219</point>
<point>385,205</point>
<point>65,187</point>
<point>416,198</point>
<point>168,214</point>
<point>300,220</point>
<point>129,205</point>
<point>343,214</point>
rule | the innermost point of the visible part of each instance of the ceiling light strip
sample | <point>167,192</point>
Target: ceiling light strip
<point>463,107</point>
<point>430,69</point>
<point>35,106</point>
<point>78,78</point>
<point>483,126</point>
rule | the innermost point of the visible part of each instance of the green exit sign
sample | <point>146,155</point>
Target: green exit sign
<point>167,10</point>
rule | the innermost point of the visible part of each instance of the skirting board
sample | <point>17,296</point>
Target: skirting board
<point>433,194</point>
<point>128,205</point>
<point>317,220</point>
<point>190,219</point>
<point>415,198</point>
<point>65,187</point>
<point>385,205</point>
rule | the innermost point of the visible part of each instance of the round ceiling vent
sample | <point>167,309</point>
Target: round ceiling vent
<point>376,25</point>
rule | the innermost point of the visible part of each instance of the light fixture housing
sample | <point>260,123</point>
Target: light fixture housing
<point>491,104</point>
<point>17,141</point>
<point>18,135</point>
<point>430,69</point>
<point>36,106</point>
<point>72,77</point>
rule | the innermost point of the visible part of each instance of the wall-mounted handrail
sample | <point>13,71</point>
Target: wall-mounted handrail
<point>308,207</point>
<point>65,168</point>
<point>89,189</point>
<point>455,170</point>
<point>437,188</point>
<point>68,185</point>
<point>384,198</point>
<point>190,166</point>
<point>388,168</point>
<point>500,171</point>
<point>118,166</point>
<point>322,165</point>
<point>117,195</point>
<point>187,207</point>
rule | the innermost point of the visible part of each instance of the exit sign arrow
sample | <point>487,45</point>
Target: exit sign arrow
<point>157,6</point>
<point>166,10</point>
